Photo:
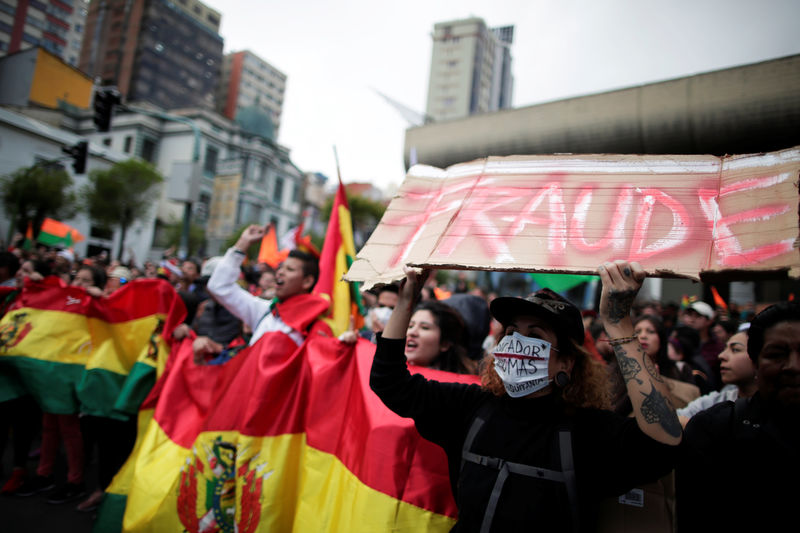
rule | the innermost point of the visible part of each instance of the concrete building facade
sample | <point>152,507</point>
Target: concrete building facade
<point>470,69</point>
<point>25,141</point>
<point>241,177</point>
<point>246,80</point>
<point>55,25</point>
<point>41,78</point>
<point>745,109</point>
<point>157,51</point>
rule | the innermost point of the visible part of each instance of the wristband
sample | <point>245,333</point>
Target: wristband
<point>622,340</point>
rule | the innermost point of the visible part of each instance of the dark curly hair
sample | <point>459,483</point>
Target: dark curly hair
<point>454,332</point>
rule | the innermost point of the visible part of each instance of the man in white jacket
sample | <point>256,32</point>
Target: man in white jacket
<point>294,310</point>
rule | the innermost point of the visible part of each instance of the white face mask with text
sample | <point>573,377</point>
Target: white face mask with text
<point>522,363</point>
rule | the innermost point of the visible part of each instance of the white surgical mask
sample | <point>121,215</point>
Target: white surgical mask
<point>522,363</point>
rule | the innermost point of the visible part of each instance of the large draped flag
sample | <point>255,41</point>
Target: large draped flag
<point>338,253</point>
<point>279,438</point>
<point>77,353</point>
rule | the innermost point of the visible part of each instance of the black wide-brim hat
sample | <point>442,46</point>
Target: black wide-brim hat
<point>561,313</point>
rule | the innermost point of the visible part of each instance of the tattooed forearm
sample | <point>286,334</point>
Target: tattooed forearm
<point>656,409</point>
<point>629,366</point>
<point>650,366</point>
<point>619,305</point>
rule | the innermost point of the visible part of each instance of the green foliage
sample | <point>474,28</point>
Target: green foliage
<point>36,192</point>
<point>170,235</point>
<point>364,213</point>
<point>122,194</point>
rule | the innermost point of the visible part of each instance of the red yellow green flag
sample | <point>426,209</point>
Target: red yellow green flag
<point>77,353</point>
<point>280,439</point>
<point>338,253</point>
<point>55,233</point>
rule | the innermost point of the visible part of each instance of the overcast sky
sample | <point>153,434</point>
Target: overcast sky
<point>336,54</point>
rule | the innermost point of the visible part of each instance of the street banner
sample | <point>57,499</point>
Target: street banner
<point>678,215</point>
<point>75,353</point>
<point>279,438</point>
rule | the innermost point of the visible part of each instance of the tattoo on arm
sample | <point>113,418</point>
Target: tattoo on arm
<point>619,305</point>
<point>656,409</point>
<point>627,365</point>
<point>650,366</point>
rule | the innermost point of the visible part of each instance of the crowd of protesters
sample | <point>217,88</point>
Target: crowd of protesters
<point>699,351</point>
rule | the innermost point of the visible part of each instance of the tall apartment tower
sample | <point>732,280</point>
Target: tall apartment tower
<point>55,25</point>
<point>248,81</point>
<point>470,69</point>
<point>158,51</point>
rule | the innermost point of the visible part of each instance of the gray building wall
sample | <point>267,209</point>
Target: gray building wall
<point>746,109</point>
<point>18,67</point>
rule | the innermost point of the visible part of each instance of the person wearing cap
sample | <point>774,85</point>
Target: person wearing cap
<point>700,317</point>
<point>750,446</point>
<point>294,310</point>
<point>119,276</point>
<point>532,447</point>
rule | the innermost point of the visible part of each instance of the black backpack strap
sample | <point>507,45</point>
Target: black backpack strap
<point>504,468</point>
<point>480,418</point>
<point>568,470</point>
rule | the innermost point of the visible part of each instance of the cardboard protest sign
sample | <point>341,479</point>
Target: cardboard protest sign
<point>679,216</point>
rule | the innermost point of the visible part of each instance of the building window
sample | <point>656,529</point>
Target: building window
<point>148,150</point>
<point>210,163</point>
<point>107,141</point>
<point>296,193</point>
<point>128,143</point>
<point>277,192</point>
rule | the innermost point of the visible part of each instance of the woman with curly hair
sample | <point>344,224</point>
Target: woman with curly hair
<point>533,446</point>
<point>437,338</point>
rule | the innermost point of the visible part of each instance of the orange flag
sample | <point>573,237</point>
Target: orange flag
<point>718,301</point>
<point>269,253</point>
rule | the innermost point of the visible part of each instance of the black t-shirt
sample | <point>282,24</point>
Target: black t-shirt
<point>611,454</point>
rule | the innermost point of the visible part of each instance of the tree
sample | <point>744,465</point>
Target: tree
<point>121,195</point>
<point>364,213</point>
<point>170,235</point>
<point>37,192</point>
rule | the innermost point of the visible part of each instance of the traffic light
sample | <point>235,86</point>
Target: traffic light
<point>105,98</point>
<point>78,153</point>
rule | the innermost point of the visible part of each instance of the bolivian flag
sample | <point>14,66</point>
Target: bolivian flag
<point>338,253</point>
<point>76,353</point>
<point>279,438</point>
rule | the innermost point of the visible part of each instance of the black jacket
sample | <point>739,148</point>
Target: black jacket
<point>739,470</point>
<point>611,454</point>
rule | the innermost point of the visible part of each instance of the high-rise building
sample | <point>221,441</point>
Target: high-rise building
<point>162,52</point>
<point>470,69</point>
<point>55,25</point>
<point>247,80</point>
